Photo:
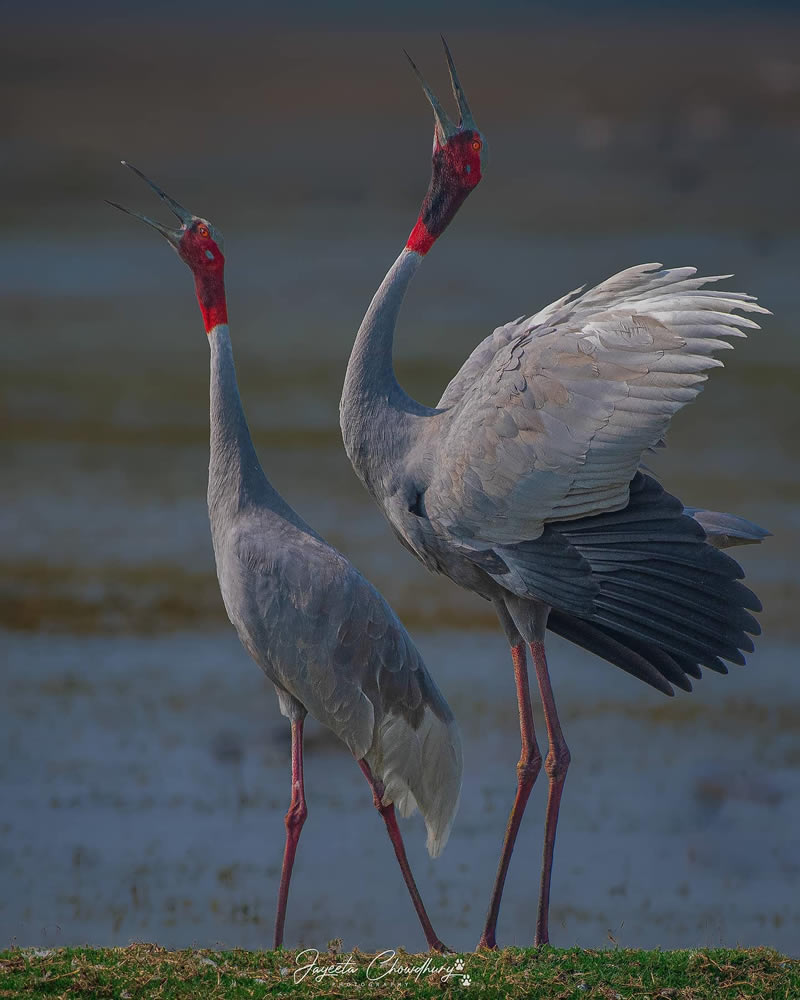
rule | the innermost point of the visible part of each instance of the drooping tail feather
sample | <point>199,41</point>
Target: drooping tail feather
<point>669,601</point>
<point>421,768</point>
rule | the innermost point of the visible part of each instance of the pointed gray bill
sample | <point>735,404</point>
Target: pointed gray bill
<point>444,126</point>
<point>186,218</point>
<point>467,121</point>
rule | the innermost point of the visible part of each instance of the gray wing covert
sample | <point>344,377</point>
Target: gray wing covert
<point>484,353</point>
<point>554,425</point>
<point>296,592</point>
<point>372,642</point>
<point>328,637</point>
<point>475,365</point>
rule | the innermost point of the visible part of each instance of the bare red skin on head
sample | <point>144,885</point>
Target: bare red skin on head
<point>456,171</point>
<point>207,262</point>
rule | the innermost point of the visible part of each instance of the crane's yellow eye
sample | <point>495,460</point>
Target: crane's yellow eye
<point>476,144</point>
<point>202,231</point>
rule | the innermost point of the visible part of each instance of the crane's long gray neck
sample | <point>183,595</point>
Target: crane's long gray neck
<point>373,403</point>
<point>235,476</point>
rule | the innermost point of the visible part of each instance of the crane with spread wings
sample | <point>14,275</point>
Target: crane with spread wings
<point>524,485</point>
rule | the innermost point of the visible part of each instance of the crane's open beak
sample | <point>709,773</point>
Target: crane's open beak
<point>445,128</point>
<point>185,218</point>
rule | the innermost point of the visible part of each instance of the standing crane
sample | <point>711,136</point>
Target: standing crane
<point>321,633</point>
<point>524,484</point>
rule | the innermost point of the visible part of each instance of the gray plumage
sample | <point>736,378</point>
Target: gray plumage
<point>322,633</point>
<point>510,485</point>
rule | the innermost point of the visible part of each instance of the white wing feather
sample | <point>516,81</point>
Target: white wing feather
<point>549,417</point>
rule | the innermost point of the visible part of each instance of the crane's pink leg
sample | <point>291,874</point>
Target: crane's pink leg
<point>295,818</point>
<point>396,838</point>
<point>556,764</point>
<point>530,763</point>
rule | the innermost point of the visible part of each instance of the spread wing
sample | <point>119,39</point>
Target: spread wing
<point>549,417</point>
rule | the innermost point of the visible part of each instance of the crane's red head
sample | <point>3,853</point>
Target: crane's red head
<point>199,244</point>
<point>459,154</point>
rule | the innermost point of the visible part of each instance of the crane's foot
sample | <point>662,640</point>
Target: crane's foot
<point>487,941</point>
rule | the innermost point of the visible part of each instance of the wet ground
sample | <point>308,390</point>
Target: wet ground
<point>143,763</point>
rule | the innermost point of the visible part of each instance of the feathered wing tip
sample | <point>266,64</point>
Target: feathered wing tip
<point>654,289</point>
<point>669,602</point>
<point>421,768</point>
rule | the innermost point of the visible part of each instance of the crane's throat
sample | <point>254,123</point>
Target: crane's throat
<point>210,287</point>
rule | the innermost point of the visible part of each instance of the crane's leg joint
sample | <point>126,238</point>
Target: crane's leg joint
<point>296,816</point>
<point>529,766</point>
<point>557,761</point>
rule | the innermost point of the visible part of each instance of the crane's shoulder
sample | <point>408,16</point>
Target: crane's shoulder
<point>291,565</point>
<point>278,564</point>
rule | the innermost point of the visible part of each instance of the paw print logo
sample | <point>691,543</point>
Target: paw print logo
<point>466,981</point>
<point>459,965</point>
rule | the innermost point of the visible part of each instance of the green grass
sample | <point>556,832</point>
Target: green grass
<point>147,971</point>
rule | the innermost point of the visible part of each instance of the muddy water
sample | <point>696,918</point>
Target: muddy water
<point>143,764</point>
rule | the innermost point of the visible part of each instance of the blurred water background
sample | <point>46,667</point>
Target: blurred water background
<point>143,763</point>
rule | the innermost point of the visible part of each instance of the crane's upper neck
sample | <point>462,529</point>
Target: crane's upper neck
<point>379,420</point>
<point>235,477</point>
<point>370,372</point>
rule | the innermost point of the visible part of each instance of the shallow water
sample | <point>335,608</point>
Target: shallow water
<point>147,779</point>
<point>143,763</point>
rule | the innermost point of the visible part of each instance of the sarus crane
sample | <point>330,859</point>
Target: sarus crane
<point>523,485</point>
<point>322,634</point>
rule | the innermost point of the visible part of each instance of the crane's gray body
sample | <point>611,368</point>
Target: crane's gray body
<point>322,634</point>
<point>523,484</point>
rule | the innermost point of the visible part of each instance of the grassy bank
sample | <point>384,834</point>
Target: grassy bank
<point>147,971</point>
